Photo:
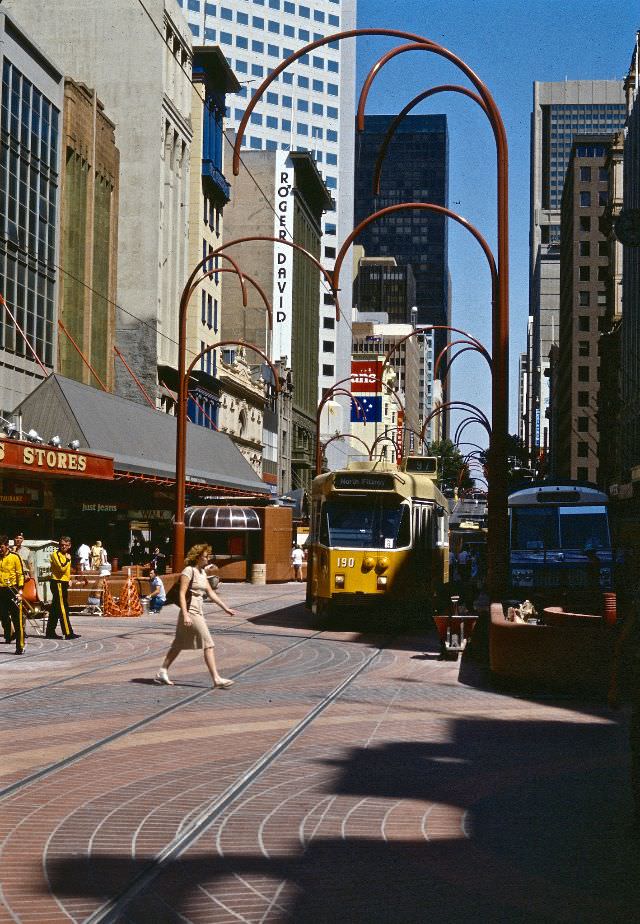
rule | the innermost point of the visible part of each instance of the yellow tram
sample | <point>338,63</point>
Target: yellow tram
<point>379,535</point>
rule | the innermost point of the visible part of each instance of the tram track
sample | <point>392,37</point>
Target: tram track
<point>132,659</point>
<point>55,767</point>
<point>113,910</point>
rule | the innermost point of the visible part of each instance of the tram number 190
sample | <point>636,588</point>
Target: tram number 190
<point>346,562</point>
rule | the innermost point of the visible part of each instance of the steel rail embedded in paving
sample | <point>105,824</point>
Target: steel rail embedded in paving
<point>141,723</point>
<point>112,911</point>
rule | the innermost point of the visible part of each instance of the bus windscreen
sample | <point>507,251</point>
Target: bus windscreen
<point>584,528</point>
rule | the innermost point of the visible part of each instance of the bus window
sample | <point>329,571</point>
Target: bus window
<point>534,529</point>
<point>584,528</point>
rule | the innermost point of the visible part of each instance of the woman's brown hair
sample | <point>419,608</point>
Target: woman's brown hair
<point>195,552</point>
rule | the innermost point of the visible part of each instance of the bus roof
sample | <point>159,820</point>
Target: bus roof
<point>566,494</point>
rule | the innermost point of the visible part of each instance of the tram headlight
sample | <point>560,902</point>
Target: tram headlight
<point>368,563</point>
<point>383,563</point>
<point>339,580</point>
<point>381,583</point>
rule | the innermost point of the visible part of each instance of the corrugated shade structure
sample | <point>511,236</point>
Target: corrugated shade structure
<point>140,439</point>
<point>239,519</point>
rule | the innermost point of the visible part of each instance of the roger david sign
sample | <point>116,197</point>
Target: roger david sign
<point>283,259</point>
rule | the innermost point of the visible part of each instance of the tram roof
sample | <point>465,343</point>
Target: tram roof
<point>378,477</point>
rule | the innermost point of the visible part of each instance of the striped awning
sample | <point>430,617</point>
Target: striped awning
<point>221,519</point>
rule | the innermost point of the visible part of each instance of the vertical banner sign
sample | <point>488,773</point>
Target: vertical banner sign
<point>400,435</point>
<point>283,259</point>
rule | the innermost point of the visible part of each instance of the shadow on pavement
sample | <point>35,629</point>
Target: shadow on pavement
<point>523,821</point>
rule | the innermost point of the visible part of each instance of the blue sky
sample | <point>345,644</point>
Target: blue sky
<point>509,44</point>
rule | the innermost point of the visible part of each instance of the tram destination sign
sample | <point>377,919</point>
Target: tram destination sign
<point>363,481</point>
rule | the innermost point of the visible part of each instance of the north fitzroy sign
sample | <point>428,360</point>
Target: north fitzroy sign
<point>283,259</point>
<point>27,457</point>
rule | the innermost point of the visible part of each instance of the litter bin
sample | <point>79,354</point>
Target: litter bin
<point>258,574</point>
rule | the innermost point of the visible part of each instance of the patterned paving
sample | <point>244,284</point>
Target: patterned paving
<point>411,796</point>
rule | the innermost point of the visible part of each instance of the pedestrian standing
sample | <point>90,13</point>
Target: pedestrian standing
<point>158,561</point>
<point>98,555</point>
<point>84,557</point>
<point>11,583</point>
<point>297,558</point>
<point>28,564</point>
<point>59,583</point>
<point>192,632</point>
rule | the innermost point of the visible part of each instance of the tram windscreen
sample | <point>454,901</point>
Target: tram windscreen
<point>546,528</point>
<point>363,523</point>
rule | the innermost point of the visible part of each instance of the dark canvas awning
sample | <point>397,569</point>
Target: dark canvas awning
<point>140,440</point>
<point>221,518</point>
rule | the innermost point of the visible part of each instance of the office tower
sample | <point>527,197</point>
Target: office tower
<point>310,107</point>
<point>415,170</point>
<point>628,230</point>
<point>382,285</point>
<point>32,101</point>
<point>291,282</point>
<point>584,271</point>
<point>560,111</point>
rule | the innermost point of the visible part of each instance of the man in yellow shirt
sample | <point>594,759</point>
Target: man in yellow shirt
<point>60,577</point>
<point>11,581</point>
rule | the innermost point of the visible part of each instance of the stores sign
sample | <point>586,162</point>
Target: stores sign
<point>15,454</point>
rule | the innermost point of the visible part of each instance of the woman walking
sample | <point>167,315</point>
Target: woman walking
<point>192,631</point>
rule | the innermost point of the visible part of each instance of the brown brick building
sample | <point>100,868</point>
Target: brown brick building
<point>89,237</point>
<point>584,272</point>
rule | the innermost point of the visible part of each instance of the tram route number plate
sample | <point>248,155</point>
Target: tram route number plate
<point>346,562</point>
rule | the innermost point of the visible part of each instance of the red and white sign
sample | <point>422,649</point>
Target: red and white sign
<point>366,376</point>
<point>41,460</point>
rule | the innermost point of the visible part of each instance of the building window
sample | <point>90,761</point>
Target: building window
<point>328,346</point>
<point>603,273</point>
<point>583,399</point>
<point>585,174</point>
<point>603,248</point>
<point>328,299</point>
<point>318,86</point>
<point>583,424</point>
<point>583,319</point>
<point>333,66</point>
<point>330,253</point>
<point>210,35</point>
<point>603,197</point>
<point>603,174</point>
<point>257,46</point>
<point>304,11</point>
<point>582,473</point>
<point>332,89</point>
<point>274,27</point>
<point>583,373</point>
<point>584,273</point>
<point>329,323</point>
<point>242,18</point>
<point>585,223</point>
<point>583,348</point>
<point>331,135</point>
<point>257,22</point>
<point>585,248</point>
<point>602,299</point>
<point>585,199</point>
<point>194,5</point>
<point>328,371</point>
<point>583,450</point>
<point>317,108</point>
<point>303,82</point>
<point>195,30</point>
<point>583,299</point>
<point>241,41</point>
<point>272,122</point>
<point>225,13</point>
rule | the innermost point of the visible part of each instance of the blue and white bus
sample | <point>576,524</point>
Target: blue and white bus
<point>559,540</point>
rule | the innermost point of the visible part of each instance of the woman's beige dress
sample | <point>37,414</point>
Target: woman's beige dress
<point>196,635</point>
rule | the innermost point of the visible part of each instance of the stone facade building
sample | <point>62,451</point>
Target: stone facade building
<point>584,272</point>
<point>88,238</point>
